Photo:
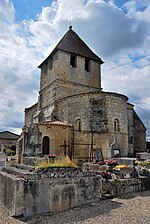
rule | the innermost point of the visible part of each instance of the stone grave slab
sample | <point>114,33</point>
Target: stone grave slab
<point>125,160</point>
<point>2,160</point>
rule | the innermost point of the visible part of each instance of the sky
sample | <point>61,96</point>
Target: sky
<point>118,31</point>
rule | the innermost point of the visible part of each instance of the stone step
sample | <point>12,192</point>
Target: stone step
<point>24,167</point>
<point>18,172</point>
<point>106,196</point>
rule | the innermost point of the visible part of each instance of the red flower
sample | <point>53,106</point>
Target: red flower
<point>101,163</point>
<point>111,162</point>
<point>51,155</point>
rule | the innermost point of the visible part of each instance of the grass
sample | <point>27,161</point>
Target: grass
<point>64,162</point>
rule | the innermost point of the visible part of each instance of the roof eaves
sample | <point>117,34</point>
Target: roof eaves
<point>65,43</point>
<point>56,123</point>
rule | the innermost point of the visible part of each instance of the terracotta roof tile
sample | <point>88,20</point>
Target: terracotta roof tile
<point>57,123</point>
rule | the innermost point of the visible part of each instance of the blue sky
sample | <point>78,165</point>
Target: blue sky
<point>117,30</point>
<point>28,9</point>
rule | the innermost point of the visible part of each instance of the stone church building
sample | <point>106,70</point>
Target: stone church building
<point>73,116</point>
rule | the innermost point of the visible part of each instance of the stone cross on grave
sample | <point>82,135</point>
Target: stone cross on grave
<point>65,147</point>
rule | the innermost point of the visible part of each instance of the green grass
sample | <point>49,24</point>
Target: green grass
<point>64,162</point>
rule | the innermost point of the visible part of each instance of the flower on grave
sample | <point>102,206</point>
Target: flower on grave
<point>51,155</point>
<point>101,163</point>
<point>111,162</point>
<point>121,166</point>
<point>106,175</point>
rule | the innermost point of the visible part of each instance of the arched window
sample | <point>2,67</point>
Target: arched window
<point>116,125</point>
<point>78,124</point>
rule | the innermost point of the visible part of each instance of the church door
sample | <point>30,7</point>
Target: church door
<point>45,147</point>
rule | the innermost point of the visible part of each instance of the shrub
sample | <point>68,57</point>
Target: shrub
<point>63,162</point>
<point>10,152</point>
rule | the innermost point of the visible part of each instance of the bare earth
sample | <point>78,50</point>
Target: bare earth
<point>130,209</point>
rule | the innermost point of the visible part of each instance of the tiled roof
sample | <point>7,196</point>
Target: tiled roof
<point>57,123</point>
<point>72,43</point>
<point>8,135</point>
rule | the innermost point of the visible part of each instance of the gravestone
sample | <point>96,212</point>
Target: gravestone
<point>98,155</point>
<point>2,160</point>
<point>143,156</point>
<point>114,150</point>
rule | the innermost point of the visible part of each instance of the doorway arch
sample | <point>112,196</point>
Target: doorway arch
<point>45,145</point>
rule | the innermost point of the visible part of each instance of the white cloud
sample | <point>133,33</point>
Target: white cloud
<point>139,9</point>
<point>145,15</point>
<point>17,71</point>
<point>146,103</point>
<point>111,31</point>
<point>7,11</point>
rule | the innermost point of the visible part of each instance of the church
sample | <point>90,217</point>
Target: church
<point>73,115</point>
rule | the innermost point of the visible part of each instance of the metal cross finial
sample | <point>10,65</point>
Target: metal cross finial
<point>70,27</point>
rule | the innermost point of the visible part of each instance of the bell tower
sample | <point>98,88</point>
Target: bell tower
<point>71,68</point>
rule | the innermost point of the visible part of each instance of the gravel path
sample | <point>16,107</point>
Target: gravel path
<point>131,210</point>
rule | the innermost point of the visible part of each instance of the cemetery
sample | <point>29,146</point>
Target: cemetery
<point>49,186</point>
<point>78,141</point>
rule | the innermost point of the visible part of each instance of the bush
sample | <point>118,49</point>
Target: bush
<point>64,162</point>
<point>10,152</point>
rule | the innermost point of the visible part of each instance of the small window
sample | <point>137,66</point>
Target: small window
<point>116,125</point>
<point>73,61</point>
<point>40,100</point>
<point>87,65</point>
<point>131,140</point>
<point>78,124</point>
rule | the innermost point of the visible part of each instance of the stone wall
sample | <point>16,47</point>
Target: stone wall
<point>62,70</point>
<point>28,193</point>
<point>32,141</point>
<point>97,115</point>
<point>136,132</point>
<point>131,139</point>
<point>116,108</point>
<point>78,74</point>
<point>29,113</point>
<point>59,79</point>
<point>35,195</point>
<point>2,160</point>
<point>57,136</point>
<point>71,110</point>
<point>6,144</point>
<point>139,134</point>
<point>122,187</point>
<point>98,118</point>
<point>49,72</point>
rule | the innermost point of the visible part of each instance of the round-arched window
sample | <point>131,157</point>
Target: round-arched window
<point>116,125</point>
<point>78,124</point>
